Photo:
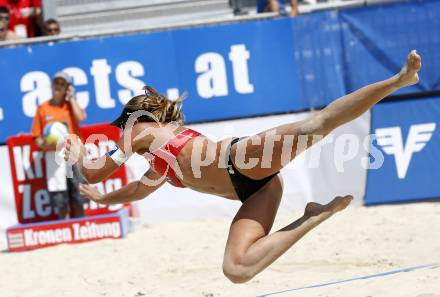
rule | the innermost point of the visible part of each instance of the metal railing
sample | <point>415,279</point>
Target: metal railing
<point>168,22</point>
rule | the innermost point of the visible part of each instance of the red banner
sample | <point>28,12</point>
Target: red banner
<point>99,139</point>
<point>39,235</point>
<point>28,168</point>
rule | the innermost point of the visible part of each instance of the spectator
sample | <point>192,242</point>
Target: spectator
<point>5,33</point>
<point>277,6</point>
<point>61,108</point>
<point>51,28</point>
<point>25,16</point>
<point>237,7</point>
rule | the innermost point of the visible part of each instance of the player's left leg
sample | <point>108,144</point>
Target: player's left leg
<point>250,248</point>
<point>339,112</point>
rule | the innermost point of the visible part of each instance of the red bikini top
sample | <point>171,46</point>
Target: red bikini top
<point>164,159</point>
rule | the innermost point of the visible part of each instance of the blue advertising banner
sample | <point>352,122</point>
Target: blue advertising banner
<point>230,70</point>
<point>319,58</point>
<point>408,135</point>
<point>376,40</point>
<point>238,70</point>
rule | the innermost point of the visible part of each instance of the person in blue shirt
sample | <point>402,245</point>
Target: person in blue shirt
<point>277,6</point>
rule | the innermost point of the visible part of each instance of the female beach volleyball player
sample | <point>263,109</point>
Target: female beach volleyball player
<point>185,158</point>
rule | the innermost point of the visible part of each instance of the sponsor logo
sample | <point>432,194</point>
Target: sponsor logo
<point>51,235</point>
<point>391,141</point>
<point>16,240</point>
<point>33,203</point>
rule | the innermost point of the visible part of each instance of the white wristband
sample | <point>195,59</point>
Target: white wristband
<point>117,155</point>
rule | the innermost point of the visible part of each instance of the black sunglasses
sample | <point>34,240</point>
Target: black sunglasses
<point>5,17</point>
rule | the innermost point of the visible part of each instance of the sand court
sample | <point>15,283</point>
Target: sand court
<point>185,259</point>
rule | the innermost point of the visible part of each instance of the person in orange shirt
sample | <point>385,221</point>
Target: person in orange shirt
<point>61,108</point>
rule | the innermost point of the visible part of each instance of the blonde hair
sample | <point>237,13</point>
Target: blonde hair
<point>163,109</point>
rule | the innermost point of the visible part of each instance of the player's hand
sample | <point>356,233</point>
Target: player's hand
<point>91,193</point>
<point>73,149</point>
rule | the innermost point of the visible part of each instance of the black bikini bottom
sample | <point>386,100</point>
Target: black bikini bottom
<point>244,186</point>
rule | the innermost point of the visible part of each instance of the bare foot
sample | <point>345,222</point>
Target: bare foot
<point>408,75</point>
<point>315,209</point>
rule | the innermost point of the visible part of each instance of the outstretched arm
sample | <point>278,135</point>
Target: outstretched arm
<point>136,139</point>
<point>93,171</point>
<point>137,190</point>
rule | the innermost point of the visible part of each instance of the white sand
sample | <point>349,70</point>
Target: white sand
<point>184,259</point>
